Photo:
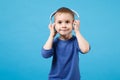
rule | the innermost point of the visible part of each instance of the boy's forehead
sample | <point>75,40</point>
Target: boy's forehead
<point>58,15</point>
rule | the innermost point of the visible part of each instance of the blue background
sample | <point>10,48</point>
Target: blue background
<point>24,29</point>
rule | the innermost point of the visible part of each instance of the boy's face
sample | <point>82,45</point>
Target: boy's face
<point>64,23</point>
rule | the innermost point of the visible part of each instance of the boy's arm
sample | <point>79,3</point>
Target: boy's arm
<point>47,50</point>
<point>49,42</point>
<point>83,44</point>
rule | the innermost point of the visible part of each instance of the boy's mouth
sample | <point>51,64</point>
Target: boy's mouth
<point>64,29</point>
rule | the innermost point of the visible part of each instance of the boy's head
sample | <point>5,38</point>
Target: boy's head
<point>64,20</point>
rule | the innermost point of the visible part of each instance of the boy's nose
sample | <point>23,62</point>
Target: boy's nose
<point>63,25</point>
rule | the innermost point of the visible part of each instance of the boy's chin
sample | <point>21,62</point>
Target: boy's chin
<point>65,34</point>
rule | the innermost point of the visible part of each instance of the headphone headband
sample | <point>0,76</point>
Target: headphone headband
<point>53,13</point>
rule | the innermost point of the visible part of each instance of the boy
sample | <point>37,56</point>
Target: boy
<point>65,48</point>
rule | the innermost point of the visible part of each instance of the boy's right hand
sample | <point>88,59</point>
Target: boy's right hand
<point>52,30</point>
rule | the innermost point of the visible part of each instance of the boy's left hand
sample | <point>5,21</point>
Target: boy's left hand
<point>76,25</point>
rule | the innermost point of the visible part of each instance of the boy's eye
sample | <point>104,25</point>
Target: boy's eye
<point>59,22</point>
<point>67,21</point>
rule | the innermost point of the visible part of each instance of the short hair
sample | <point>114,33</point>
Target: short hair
<point>65,10</point>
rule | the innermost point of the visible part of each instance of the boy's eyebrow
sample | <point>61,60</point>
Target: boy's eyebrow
<point>64,20</point>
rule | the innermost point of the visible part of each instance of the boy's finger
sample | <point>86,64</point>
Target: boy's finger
<point>50,26</point>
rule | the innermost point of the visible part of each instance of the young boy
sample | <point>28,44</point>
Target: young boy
<point>65,48</point>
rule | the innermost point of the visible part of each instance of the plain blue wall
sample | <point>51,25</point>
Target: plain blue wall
<point>24,29</point>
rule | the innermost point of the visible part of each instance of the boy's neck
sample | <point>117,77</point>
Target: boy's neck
<point>65,37</point>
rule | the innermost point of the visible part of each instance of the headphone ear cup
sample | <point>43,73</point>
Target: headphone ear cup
<point>73,25</point>
<point>55,28</point>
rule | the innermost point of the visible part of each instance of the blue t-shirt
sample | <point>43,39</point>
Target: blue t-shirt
<point>65,62</point>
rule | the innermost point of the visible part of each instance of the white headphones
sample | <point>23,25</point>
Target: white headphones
<point>52,14</point>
